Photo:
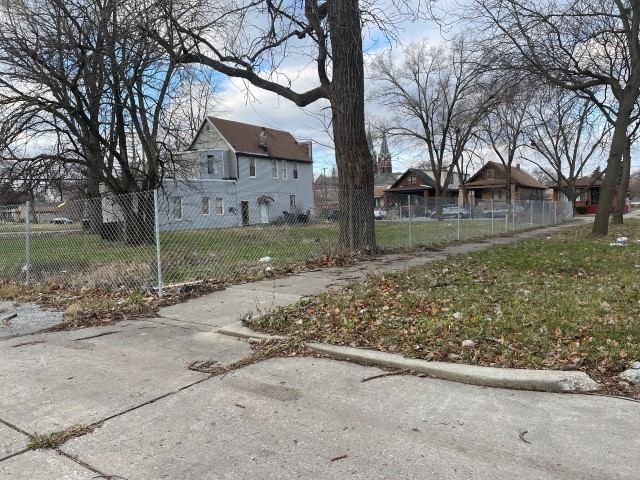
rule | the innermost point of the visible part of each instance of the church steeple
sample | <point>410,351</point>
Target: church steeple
<point>384,160</point>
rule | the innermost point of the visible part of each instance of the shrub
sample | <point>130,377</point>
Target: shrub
<point>582,210</point>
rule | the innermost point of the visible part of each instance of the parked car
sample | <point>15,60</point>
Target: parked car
<point>288,217</point>
<point>502,211</point>
<point>61,221</point>
<point>380,214</point>
<point>451,212</point>
<point>333,215</point>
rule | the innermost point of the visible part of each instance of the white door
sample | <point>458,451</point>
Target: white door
<point>264,212</point>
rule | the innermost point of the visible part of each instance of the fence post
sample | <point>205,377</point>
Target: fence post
<point>157,234</point>
<point>531,203</point>
<point>492,216</point>
<point>459,220</point>
<point>410,233</point>
<point>27,245</point>
<point>555,213</point>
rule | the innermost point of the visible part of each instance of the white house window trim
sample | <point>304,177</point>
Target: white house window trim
<point>206,206</point>
<point>283,169</point>
<point>274,169</point>
<point>178,213</point>
<point>219,206</point>
<point>292,201</point>
<point>211,164</point>
<point>295,170</point>
<point>252,167</point>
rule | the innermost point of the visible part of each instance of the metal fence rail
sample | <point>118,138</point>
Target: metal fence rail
<point>149,240</point>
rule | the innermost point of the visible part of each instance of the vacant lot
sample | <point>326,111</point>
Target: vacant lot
<point>571,301</point>
<point>68,256</point>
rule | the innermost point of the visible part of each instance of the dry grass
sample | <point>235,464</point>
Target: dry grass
<point>570,302</point>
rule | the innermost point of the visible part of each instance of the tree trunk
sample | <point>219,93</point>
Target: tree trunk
<point>623,187</point>
<point>139,221</point>
<point>618,144</point>
<point>355,168</point>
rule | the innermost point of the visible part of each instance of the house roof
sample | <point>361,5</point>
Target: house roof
<point>518,176</point>
<point>581,182</point>
<point>385,179</point>
<point>328,180</point>
<point>429,182</point>
<point>245,138</point>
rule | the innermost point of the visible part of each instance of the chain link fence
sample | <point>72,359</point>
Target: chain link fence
<point>150,240</point>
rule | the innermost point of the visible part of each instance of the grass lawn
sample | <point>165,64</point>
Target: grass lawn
<point>570,301</point>
<point>71,257</point>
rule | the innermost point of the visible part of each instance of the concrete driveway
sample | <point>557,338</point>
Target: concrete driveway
<point>282,418</point>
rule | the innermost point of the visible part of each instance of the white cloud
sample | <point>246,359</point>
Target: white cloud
<point>259,107</point>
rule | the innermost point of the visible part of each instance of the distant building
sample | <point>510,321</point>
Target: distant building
<point>325,192</point>
<point>588,189</point>
<point>417,188</point>
<point>382,161</point>
<point>491,182</point>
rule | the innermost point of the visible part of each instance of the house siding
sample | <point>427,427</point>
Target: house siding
<point>235,185</point>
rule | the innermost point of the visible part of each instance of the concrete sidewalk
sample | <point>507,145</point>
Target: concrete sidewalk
<point>151,417</point>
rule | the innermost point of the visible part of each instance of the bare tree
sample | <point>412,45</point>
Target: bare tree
<point>439,95</point>
<point>579,46</point>
<point>252,40</point>
<point>568,134</point>
<point>505,126</point>
<point>195,97</point>
<point>634,184</point>
<point>82,83</point>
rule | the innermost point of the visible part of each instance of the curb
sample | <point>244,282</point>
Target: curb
<point>512,378</point>
<point>240,331</point>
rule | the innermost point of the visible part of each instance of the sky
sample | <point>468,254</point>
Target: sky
<point>259,107</point>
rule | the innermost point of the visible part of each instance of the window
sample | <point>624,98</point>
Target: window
<point>411,180</point>
<point>274,169</point>
<point>283,169</point>
<point>252,167</point>
<point>214,165</point>
<point>292,200</point>
<point>177,208</point>
<point>205,206</point>
<point>295,170</point>
<point>219,206</point>
<point>490,173</point>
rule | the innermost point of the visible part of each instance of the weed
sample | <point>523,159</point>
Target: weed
<point>54,440</point>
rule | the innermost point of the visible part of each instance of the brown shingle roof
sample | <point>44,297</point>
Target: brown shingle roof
<point>245,138</point>
<point>580,183</point>
<point>520,177</point>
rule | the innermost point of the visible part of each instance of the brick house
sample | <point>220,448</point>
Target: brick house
<point>491,182</point>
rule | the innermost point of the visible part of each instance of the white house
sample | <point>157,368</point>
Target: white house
<point>239,174</point>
